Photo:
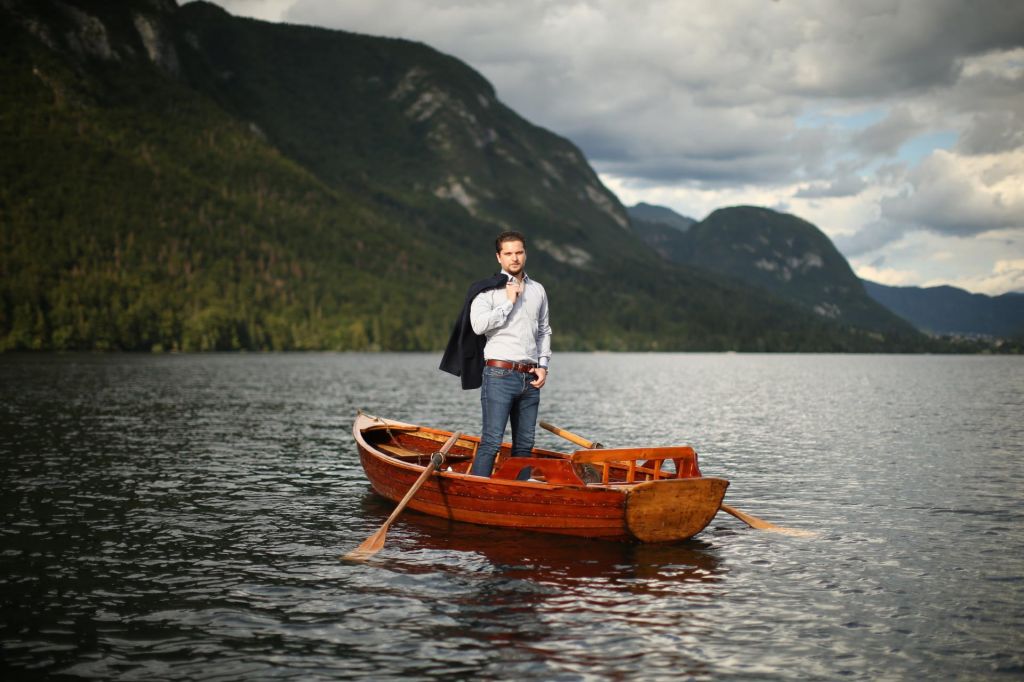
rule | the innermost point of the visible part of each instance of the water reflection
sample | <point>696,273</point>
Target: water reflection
<point>536,606</point>
<point>559,561</point>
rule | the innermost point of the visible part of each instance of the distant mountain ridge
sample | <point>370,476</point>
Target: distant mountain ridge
<point>778,252</point>
<point>949,310</point>
<point>660,215</point>
<point>662,229</point>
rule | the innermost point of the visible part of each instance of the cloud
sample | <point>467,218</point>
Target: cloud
<point>1006,276</point>
<point>961,196</point>
<point>887,136</point>
<point>989,81</point>
<point>947,194</point>
<point>887,276</point>
<point>870,238</point>
<point>992,132</point>
<point>890,47</point>
<point>267,10</point>
<point>849,185</point>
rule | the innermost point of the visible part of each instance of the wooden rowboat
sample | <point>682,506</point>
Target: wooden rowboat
<point>637,497</point>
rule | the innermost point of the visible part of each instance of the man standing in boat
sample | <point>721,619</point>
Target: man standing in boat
<point>508,315</point>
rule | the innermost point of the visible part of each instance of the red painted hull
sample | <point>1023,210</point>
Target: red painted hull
<point>650,511</point>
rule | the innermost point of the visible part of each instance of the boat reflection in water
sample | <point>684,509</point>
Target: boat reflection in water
<point>575,605</point>
<point>422,543</point>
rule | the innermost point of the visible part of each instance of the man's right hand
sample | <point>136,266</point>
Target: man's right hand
<point>513,289</point>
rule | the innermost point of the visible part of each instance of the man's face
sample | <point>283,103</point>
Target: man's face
<point>512,257</point>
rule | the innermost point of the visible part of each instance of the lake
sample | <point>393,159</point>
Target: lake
<point>180,517</point>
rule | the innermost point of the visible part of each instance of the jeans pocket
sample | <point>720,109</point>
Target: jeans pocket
<point>496,371</point>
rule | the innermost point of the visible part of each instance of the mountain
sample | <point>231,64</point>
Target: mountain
<point>948,310</point>
<point>176,178</point>
<point>662,229</point>
<point>659,215</point>
<point>781,254</point>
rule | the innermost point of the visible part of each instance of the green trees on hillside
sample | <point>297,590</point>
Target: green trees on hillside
<point>158,223</point>
<point>140,211</point>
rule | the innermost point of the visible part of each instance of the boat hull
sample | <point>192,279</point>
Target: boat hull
<point>393,455</point>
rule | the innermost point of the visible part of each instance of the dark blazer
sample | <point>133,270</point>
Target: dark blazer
<point>464,356</point>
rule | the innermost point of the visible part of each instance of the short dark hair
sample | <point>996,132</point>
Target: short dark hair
<point>509,236</point>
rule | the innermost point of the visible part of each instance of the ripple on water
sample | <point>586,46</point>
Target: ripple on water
<point>181,517</point>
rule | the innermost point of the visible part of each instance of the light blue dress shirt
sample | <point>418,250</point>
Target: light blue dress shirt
<point>516,333</point>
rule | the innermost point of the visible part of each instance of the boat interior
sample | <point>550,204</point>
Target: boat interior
<point>611,466</point>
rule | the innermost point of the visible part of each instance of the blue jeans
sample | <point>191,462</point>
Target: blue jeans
<point>506,395</point>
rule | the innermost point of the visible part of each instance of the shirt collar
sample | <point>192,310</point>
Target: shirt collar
<point>526,277</point>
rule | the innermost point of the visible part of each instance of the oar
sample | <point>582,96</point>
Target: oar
<point>375,542</point>
<point>752,521</point>
<point>571,437</point>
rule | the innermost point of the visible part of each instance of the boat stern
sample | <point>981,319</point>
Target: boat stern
<point>673,509</point>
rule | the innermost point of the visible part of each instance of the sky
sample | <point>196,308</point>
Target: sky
<point>895,126</point>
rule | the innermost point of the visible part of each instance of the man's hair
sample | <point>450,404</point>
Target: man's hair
<point>510,236</point>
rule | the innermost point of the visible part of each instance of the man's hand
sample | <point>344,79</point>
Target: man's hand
<point>513,289</point>
<point>542,376</point>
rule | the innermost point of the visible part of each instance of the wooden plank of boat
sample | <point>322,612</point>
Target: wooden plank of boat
<point>637,498</point>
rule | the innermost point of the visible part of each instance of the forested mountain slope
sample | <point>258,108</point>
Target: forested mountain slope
<point>178,178</point>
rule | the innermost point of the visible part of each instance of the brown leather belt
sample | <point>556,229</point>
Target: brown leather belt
<point>523,367</point>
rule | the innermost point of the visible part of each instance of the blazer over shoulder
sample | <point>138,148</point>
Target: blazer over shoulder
<point>464,355</point>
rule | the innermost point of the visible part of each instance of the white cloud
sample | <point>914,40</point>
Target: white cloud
<point>983,264</point>
<point>962,195</point>
<point>844,186</point>
<point>267,10</point>
<point>888,276</point>
<point>691,201</point>
<point>1006,275</point>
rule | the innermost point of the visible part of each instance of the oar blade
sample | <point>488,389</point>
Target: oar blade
<point>375,542</point>
<point>369,547</point>
<point>761,524</point>
<point>795,532</point>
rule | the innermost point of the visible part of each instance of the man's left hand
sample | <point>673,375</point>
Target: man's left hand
<point>541,374</point>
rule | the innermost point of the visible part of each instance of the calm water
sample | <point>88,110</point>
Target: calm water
<point>181,517</point>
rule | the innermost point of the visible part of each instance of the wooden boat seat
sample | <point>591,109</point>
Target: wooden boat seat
<point>453,458</point>
<point>559,471</point>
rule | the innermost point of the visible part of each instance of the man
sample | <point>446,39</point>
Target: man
<point>509,315</point>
